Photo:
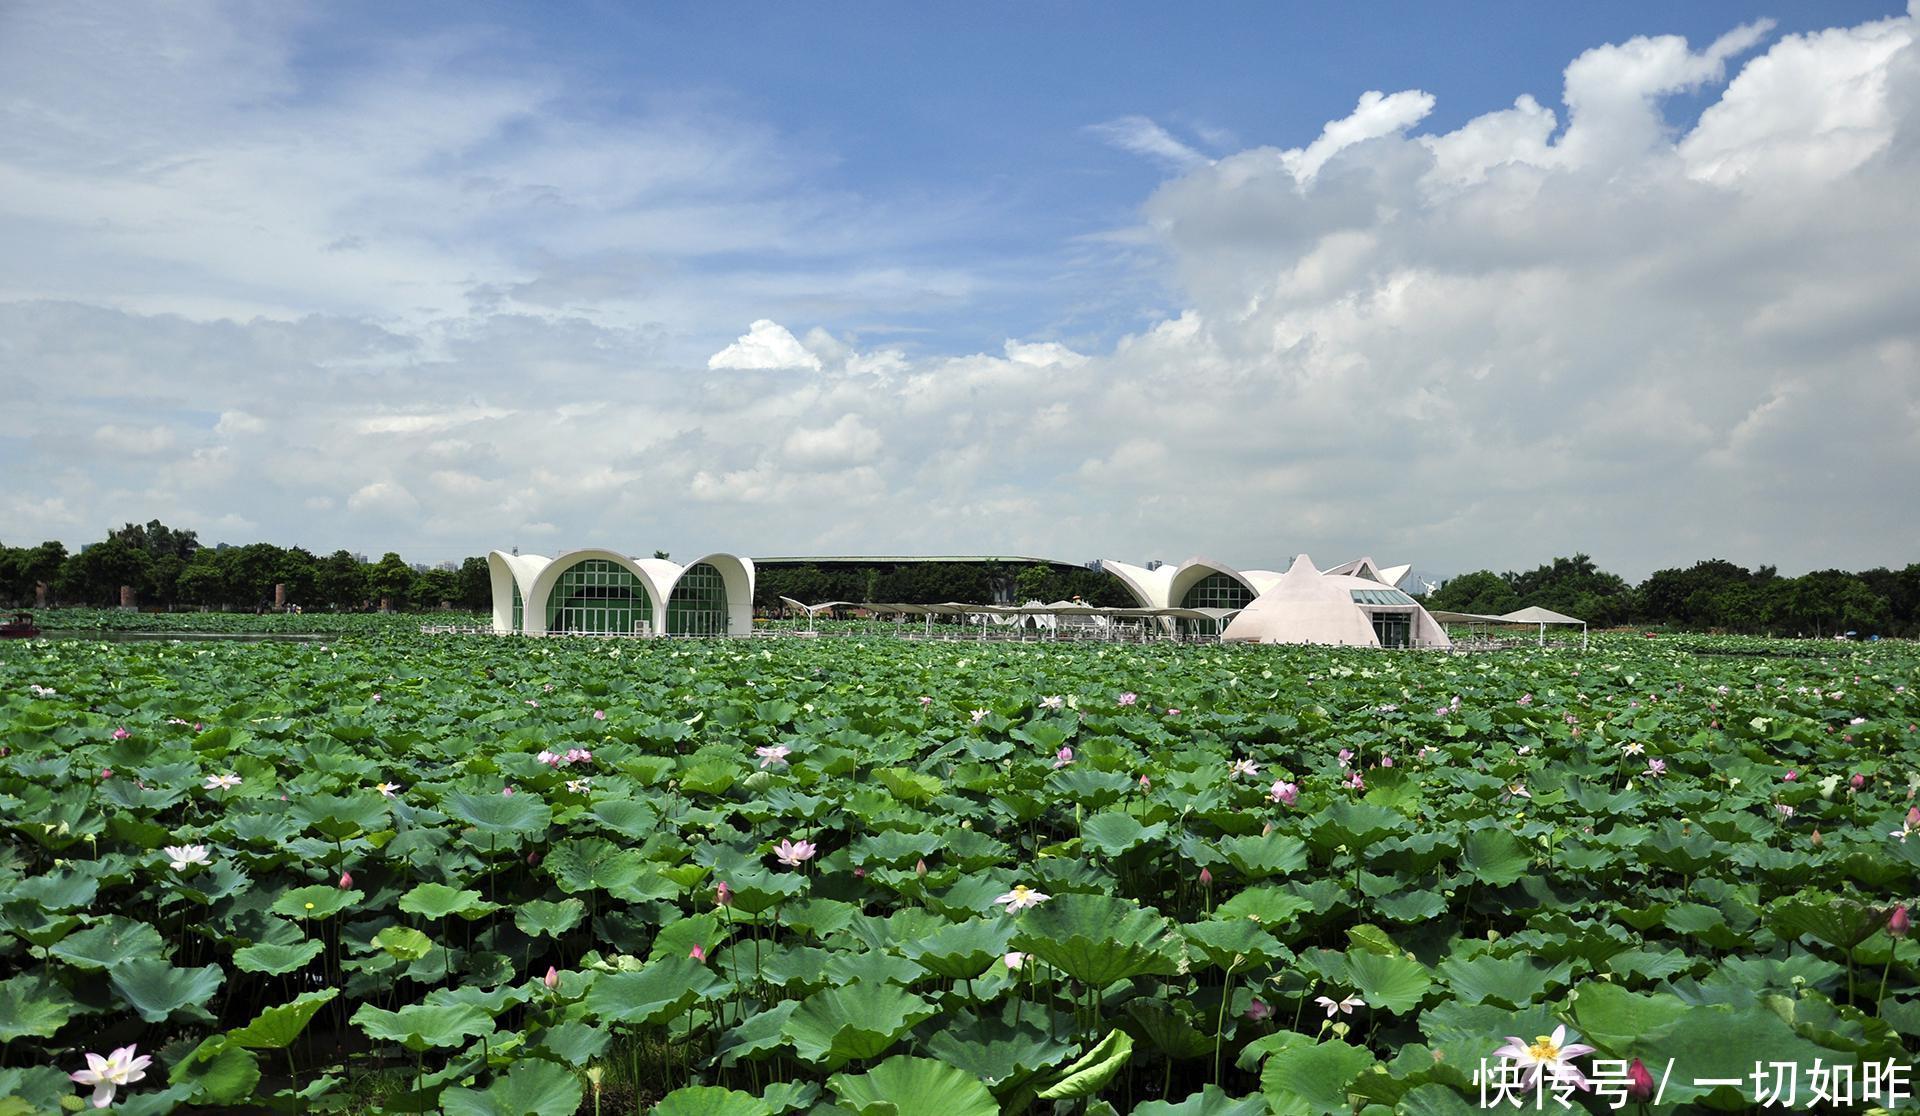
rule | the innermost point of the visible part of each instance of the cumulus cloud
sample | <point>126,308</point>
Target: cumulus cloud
<point>765,345</point>
<point>1572,321</point>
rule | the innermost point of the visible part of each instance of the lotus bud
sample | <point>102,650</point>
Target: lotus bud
<point>552,979</point>
<point>346,880</point>
<point>859,873</point>
<point>1639,1081</point>
<point>1014,960</point>
<point>1258,1010</point>
<point>1899,922</point>
<point>722,895</point>
<point>533,857</point>
<point>1266,830</point>
<point>920,868</point>
<point>106,773</point>
<point>1206,878</point>
<point>1791,776</point>
<point>1816,839</point>
<point>1858,782</point>
<point>697,953</point>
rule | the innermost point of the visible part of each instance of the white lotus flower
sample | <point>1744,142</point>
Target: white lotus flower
<point>183,855</point>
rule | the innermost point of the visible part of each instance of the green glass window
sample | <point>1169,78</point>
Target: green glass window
<point>1393,629</point>
<point>1381,597</point>
<point>519,610</point>
<point>699,603</point>
<point>600,597</point>
<point>1216,590</point>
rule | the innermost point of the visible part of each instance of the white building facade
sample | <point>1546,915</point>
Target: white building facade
<point>604,592</point>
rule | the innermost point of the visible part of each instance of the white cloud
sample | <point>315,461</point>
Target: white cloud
<point>383,498</point>
<point>765,345</point>
<point>849,441</point>
<point>1142,136</point>
<point>1544,329</point>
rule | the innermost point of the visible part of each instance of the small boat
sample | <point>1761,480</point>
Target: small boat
<point>20,627</point>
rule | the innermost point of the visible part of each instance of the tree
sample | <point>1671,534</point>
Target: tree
<point>430,587</point>
<point>391,580</point>
<point>1482,591</point>
<point>340,581</point>
<point>96,574</point>
<point>475,592</point>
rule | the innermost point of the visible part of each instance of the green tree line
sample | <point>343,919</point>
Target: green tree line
<point>1714,594</point>
<point>169,568</point>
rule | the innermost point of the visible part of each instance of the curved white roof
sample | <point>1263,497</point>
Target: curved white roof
<point>535,576</point>
<point>1307,606</point>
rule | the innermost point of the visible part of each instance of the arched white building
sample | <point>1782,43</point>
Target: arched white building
<point>1356,603</point>
<point>604,592</point>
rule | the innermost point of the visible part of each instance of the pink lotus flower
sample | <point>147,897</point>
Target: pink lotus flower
<point>794,853</point>
<point>1283,792</point>
<point>1243,767</point>
<point>925,701</point>
<point>106,773</point>
<point>599,714</point>
<point>1258,1011</point>
<point>1526,699</point>
<point>346,880</point>
<point>1206,878</point>
<point>1639,1081</point>
<point>552,979</point>
<point>773,755</point>
<point>722,895</point>
<point>121,733</point>
<point>1063,757</point>
<point>1129,698</point>
<point>1549,1054</point>
<point>920,868</point>
<point>1656,767</point>
<point>1014,960</point>
<point>1858,782</point>
<point>1899,922</point>
<point>1173,712</point>
<point>697,953</point>
<point>112,1072</point>
<point>507,791</point>
<point>1355,782</point>
<point>1790,777</point>
<point>1146,783</point>
<point>579,755</point>
<point>1346,757</point>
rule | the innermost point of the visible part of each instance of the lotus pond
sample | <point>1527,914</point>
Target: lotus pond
<point>492,876</point>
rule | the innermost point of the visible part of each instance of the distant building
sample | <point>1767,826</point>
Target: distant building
<point>604,592</point>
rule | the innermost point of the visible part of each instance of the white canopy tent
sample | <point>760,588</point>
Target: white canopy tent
<point>1532,615</point>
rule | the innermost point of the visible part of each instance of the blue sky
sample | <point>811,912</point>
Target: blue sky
<point>1456,285</point>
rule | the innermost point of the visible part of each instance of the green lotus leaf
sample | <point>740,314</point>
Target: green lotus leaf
<point>1209,1101</point>
<point>575,1043</point>
<point>1613,1018</point>
<point>36,1089</point>
<point>316,901</point>
<point>905,1084</point>
<point>536,917</point>
<point>1388,982</point>
<point>155,989</point>
<point>278,1026</point>
<point>907,785</point>
<point>1268,905</point>
<point>436,900</point>
<point>274,959</point>
<point>1113,833</point>
<point>1512,981</point>
<point>593,863</point>
<point>833,1027</point>
<point>962,950</point>
<point>1259,857</point>
<point>1312,1080</point>
<point>31,1006</point>
<point>1092,1070</point>
<point>403,943</point>
<point>217,1071</point>
<point>664,988</point>
<point>1494,856</point>
<point>629,817</point>
<point>521,814</point>
<point>761,1033</point>
<point>1237,943</point>
<point>711,1100</point>
<point>530,1087</point>
<point>1008,1045</point>
<point>57,891</point>
<point>788,1096</point>
<point>1435,1100</point>
<point>109,942</point>
<point>419,1026</point>
<point>1096,939</point>
<point>1172,1027</point>
<point>1832,921</point>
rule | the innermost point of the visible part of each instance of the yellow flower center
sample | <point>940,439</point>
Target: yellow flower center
<point>1543,1048</point>
<point>309,906</point>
